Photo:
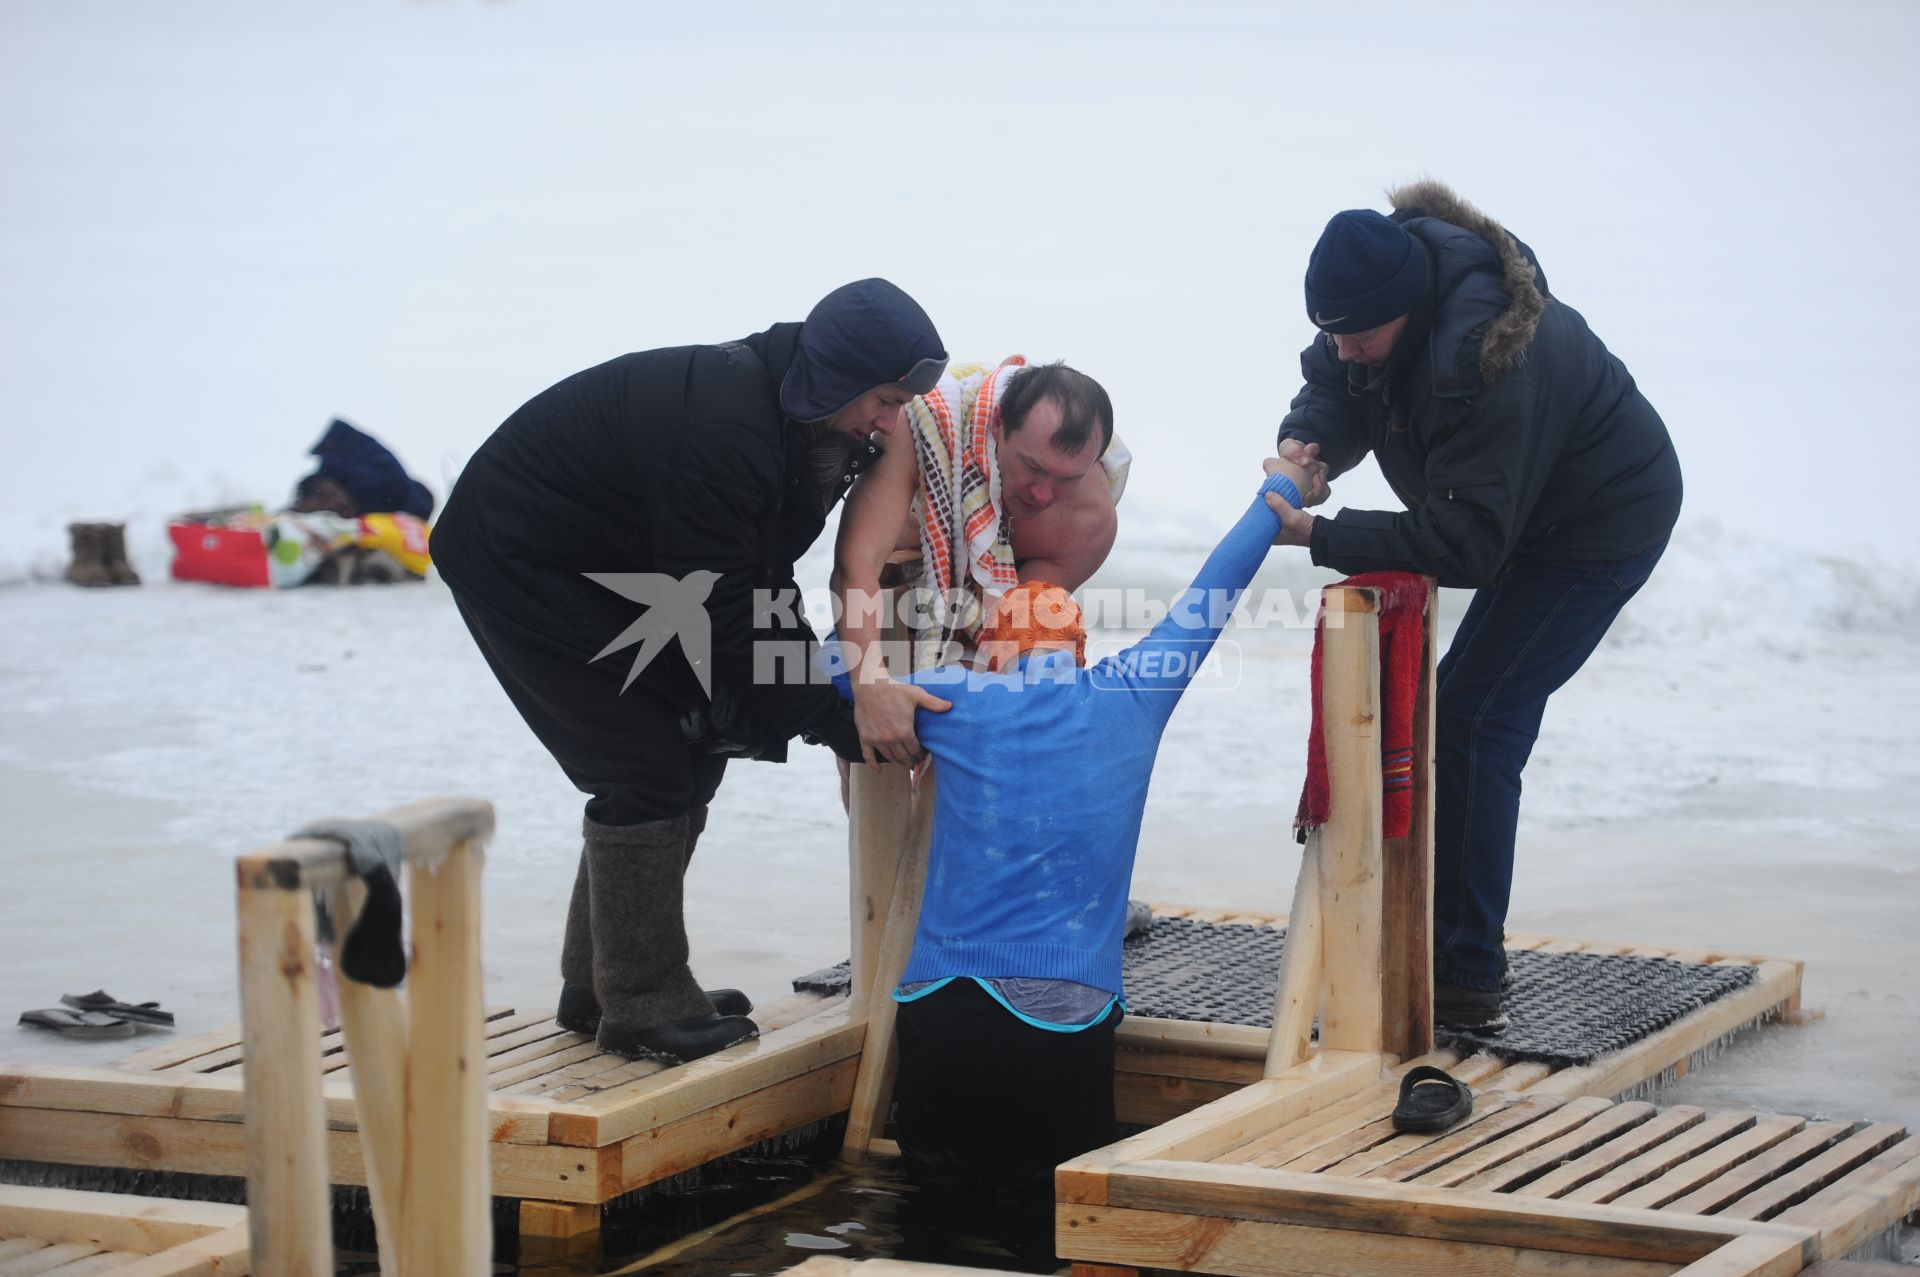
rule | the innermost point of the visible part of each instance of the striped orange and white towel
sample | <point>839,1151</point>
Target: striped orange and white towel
<point>966,545</point>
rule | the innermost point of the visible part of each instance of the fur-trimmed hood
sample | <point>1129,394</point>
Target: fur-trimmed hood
<point>1512,329</point>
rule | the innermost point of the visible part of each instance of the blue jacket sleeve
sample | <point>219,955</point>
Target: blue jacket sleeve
<point>1167,659</point>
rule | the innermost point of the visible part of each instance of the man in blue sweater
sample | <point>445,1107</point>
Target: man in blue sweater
<point>1013,989</point>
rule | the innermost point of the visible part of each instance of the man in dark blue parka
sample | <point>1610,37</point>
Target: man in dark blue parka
<point>1533,472</point>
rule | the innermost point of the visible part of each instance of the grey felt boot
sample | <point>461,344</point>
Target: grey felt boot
<point>650,1004</point>
<point>579,1009</point>
<point>725,1001</point>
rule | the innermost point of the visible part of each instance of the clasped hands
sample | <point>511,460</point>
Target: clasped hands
<point>1301,463</point>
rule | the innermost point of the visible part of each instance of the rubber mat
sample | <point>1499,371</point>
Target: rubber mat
<point>1563,1008</point>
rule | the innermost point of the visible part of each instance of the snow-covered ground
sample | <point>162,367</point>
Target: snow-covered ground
<point>1705,780</point>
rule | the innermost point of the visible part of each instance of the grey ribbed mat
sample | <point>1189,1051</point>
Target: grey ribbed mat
<point>1563,1008</point>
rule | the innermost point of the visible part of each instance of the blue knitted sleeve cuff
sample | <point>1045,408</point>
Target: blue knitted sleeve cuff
<point>1284,486</point>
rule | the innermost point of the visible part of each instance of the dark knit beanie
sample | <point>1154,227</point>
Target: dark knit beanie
<point>1366,271</point>
<point>861,335</point>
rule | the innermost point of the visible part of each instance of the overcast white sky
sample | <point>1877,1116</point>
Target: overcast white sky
<point>222,223</point>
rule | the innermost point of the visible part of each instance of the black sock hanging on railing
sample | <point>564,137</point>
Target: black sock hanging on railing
<point>372,952</point>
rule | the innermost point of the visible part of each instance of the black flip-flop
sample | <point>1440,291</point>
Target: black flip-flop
<point>1430,1100</point>
<point>78,1024</point>
<point>101,1000</point>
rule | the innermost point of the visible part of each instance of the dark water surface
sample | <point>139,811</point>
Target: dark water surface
<point>754,1215</point>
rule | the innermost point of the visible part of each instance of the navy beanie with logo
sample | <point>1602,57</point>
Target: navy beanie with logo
<point>861,335</point>
<point>1367,270</point>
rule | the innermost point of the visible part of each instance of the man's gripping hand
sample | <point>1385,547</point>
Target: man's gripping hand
<point>1296,525</point>
<point>883,715</point>
<point>1314,487</point>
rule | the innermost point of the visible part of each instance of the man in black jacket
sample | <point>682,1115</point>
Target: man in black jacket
<point>688,479</point>
<point>1533,472</point>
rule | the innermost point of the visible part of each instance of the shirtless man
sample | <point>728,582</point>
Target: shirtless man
<point>1050,430</point>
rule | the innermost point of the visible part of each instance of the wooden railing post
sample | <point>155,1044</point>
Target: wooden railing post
<point>1359,933</point>
<point>447,1190</point>
<point>1349,843</point>
<point>417,1065</point>
<point>1406,936</point>
<point>289,1216</point>
<point>373,1027</point>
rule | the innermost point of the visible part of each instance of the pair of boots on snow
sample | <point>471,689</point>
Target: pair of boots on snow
<point>100,555</point>
<point>624,960</point>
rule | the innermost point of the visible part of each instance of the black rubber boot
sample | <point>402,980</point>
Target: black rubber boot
<point>678,1042</point>
<point>579,1010</point>
<point>1456,1006</point>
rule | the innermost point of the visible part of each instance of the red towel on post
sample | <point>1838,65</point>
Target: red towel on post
<point>1403,601</point>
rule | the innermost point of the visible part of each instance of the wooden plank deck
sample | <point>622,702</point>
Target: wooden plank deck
<point>71,1234</point>
<point>574,1128</point>
<point>1532,1181</point>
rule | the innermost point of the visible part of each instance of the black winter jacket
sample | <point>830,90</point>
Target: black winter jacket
<point>1505,426</point>
<point>668,461</point>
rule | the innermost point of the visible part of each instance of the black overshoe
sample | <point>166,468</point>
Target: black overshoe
<point>730,1001</point>
<point>579,1010</point>
<point>678,1042</point>
<point>1455,1006</point>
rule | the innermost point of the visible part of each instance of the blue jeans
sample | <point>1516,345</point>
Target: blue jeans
<point>1522,638</point>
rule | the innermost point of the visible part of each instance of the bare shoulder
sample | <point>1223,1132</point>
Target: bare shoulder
<point>1073,538</point>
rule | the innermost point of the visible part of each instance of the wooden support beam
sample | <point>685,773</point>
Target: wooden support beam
<point>1751,1257</point>
<point>110,1221</point>
<point>1350,868</point>
<point>221,1254</point>
<point>1152,1240</point>
<point>286,1161</point>
<point>879,1056</point>
<point>821,1040</point>
<point>429,831</point>
<point>445,1200</point>
<point>373,1026</point>
<point>545,1172</point>
<point>1368,1206</point>
<point>881,812</point>
<point>1296,998</point>
<point>1406,892</point>
<point>558,1221</point>
<point>728,1126</point>
<point>1224,1125</point>
<point>1192,1037</point>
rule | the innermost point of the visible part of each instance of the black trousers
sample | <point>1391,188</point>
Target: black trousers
<point>623,749</point>
<point>987,1100</point>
